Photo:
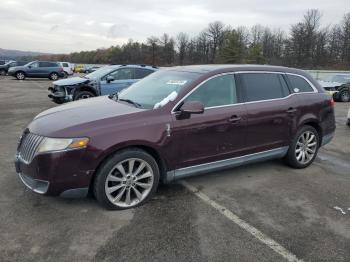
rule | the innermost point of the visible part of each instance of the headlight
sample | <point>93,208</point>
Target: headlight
<point>58,144</point>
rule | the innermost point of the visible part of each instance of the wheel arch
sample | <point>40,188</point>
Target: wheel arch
<point>85,88</point>
<point>315,124</point>
<point>143,146</point>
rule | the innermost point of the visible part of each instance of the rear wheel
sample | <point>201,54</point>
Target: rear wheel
<point>344,96</point>
<point>20,76</point>
<point>2,72</point>
<point>53,76</point>
<point>83,95</point>
<point>304,147</point>
<point>127,179</point>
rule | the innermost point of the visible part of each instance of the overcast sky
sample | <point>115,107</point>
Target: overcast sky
<point>62,26</point>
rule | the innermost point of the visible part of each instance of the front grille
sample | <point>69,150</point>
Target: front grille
<point>28,146</point>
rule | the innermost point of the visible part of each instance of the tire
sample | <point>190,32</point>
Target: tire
<point>65,75</point>
<point>53,76</point>
<point>20,75</point>
<point>2,72</point>
<point>83,95</point>
<point>297,147</point>
<point>114,182</point>
<point>344,96</point>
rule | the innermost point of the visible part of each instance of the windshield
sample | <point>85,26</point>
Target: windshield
<point>100,72</point>
<point>158,87</point>
<point>29,63</point>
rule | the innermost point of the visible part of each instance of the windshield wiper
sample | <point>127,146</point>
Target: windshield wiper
<point>131,102</point>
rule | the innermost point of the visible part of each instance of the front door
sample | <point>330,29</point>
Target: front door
<point>268,119</point>
<point>117,80</point>
<point>216,134</point>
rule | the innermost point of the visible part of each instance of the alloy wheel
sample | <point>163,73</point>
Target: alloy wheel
<point>306,147</point>
<point>20,76</point>
<point>129,182</point>
<point>84,97</point>
<point>54,77</point>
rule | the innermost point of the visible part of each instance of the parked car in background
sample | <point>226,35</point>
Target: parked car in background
<point>79,68</point>
<point>2,62</point>
<point>338,86</point>
<point>5,67</point>
<point>68,68</point>
<point>38,69</point>
<point>104,81</point>
<point>172,124</point>
<point>92,69</point>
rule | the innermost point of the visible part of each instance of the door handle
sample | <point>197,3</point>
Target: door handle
<point>291,110</point>
<point>234,119</point>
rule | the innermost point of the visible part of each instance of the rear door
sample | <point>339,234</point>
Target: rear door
<point>270,115</point>
<point>122,78</point>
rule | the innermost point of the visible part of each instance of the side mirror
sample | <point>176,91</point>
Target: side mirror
<point>109,79</point>
<point>191,107</point>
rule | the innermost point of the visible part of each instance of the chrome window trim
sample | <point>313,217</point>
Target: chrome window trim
<point>247,72</point>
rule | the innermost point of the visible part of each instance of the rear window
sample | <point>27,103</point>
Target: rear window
<point>299,84</point>
<point>263,86</point>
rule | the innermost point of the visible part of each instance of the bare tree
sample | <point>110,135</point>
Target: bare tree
<point>215,34</point>
<point>182,42</point>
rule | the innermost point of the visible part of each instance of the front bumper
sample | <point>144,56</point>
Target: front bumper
<point>64,173</point>
<point>60,95</point>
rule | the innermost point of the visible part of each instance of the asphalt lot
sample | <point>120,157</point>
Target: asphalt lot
<point>295,208</point>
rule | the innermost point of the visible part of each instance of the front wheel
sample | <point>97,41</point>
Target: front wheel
<point>2,72</point>
<point>128,179</point>
<point>304,147</point>
<point>20,76</point>
<point>83,95</point>
<point>53,76</point>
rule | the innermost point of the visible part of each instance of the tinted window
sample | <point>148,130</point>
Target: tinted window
<point>260,86</point>
<point>217,91</point>
<point>65,65</point>
<point>141,73</point>
<point>47,64</point>
<point>299,84</point>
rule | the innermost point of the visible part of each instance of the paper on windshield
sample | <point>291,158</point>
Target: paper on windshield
<point>176,82</point>
<point>171,97</point>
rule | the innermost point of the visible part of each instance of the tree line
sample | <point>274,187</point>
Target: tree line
<point>307,45</point>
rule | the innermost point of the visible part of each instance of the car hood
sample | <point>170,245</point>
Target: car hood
<point>76,118</point>
<point>71,81</point>
<point>16,68</point>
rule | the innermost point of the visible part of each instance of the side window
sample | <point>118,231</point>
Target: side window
<point>299,84</point>
<point>44,64</point>
<point>141,73</point>
<point>263,86</point>
<point>34,65</point>
<point>122,74</point>
<point>65,64</point>
<point>217,91</point>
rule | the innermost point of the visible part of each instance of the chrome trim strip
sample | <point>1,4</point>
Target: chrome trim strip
<point>36,185</point>
<point>247,72</point>
<point>226,163</point>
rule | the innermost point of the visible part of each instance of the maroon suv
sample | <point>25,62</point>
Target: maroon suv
<point>172,124</point>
